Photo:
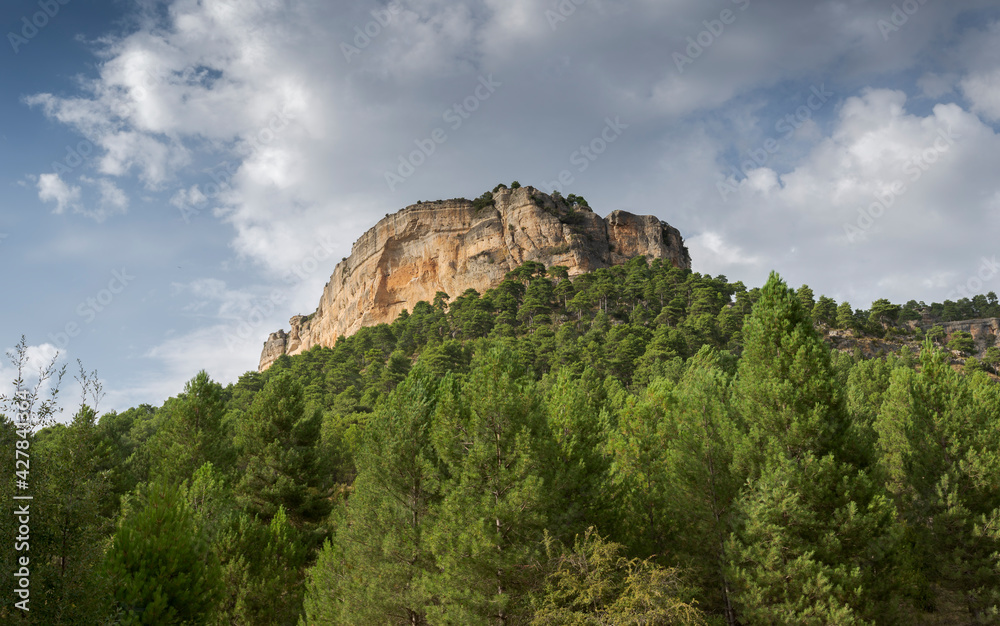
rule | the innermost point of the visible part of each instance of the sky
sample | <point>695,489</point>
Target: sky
<point>181,177</point>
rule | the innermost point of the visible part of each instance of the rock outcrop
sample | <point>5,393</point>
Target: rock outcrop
<point>985,332</point>
<point>454,245</point>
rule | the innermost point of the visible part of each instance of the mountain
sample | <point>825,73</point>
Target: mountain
<point>455,245</point>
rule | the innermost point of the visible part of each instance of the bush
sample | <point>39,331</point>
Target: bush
<point>962,342</point>
<point>515,185</point>
<point>991,358</point>
<point>483,201</point>
<point>571,217</point>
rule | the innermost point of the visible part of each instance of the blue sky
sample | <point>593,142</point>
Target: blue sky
<point>181,177</point>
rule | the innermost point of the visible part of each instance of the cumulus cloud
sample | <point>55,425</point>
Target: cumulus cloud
<point>111,200</point>
<point>981,85</point>
<point>887,193</point>
<point>52,188</point>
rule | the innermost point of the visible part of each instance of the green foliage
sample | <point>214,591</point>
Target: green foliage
<point>191,432</point>
<point>277,443</point>
<point>800,496</point>
<point>160,565</point>
<point>484,201</point>
<point>379,563</point>
<point>785,388</point>
<point>491,437</point>
<point>825,311</point>
<point>961,341</point>
<point>594,584</point>
<point>938,442</point>
<point>432,469</point>
<point>936,334</point>
<point>991,358</point>
<point>884,312</point>
<point>845,316</point>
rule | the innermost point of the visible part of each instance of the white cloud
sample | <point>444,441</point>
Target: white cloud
<point>983,89</point>
<point>936,219</point>
<point>717,255</point>
<point>111,200</point>
<point>52,188</point>
<point>185,197</point>
<point>980,51</point>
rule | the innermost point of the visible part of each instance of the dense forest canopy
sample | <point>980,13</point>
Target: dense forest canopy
<point>639,444</point>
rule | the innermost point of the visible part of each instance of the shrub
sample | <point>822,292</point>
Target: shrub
<point>962,342</point>
<point>483,201</point>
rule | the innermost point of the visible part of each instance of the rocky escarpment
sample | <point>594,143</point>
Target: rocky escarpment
<point>454,245</point>
<point>985,331</point>
<point>985,334</point>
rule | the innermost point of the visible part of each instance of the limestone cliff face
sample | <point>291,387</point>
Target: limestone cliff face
<point>452,246</point>
<point>985,331</point>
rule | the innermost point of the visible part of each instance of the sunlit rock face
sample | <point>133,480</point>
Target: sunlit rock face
<point>454,245</point>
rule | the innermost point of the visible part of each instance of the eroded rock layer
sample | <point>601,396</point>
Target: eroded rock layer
<point>454,245</point>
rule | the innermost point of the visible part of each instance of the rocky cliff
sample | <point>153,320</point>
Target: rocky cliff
<point>454,245</point>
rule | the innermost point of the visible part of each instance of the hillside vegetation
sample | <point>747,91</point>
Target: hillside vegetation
<point>638,445</point>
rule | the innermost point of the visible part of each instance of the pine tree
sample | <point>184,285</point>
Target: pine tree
<point>845,316</point>
<point>161,567</point>
<point>810,547</point>
<point>825,311</point>
<point>492,440</point>
<point>639,479</point>
<point>277,444</point>
<point>262,571</point>
<point>938,440</point>
<point>377,566</point>
<point>69,527</point>
<point>785,389</point>
<point>192,432</point>
<point>579,431</point>
<point>703,486</point>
